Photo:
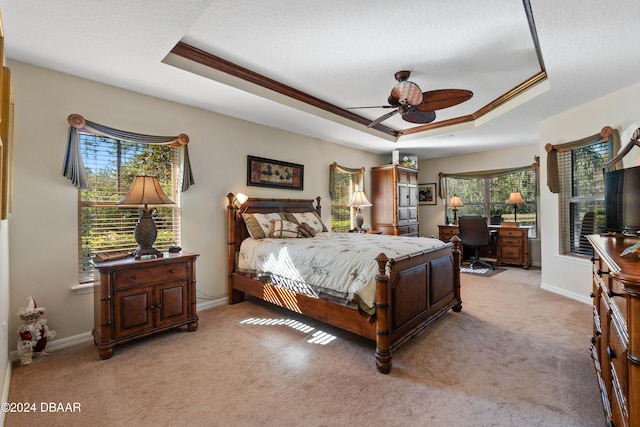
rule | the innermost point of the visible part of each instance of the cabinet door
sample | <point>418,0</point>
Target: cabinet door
<point>171,302</point>
<point>133,311</point>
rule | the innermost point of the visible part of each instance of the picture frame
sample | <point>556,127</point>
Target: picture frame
<point>263,172</point>
<point>427,194</point>
<point>6,152</point>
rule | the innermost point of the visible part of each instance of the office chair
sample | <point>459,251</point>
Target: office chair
<point>588,226</point>
<point>474,233</point>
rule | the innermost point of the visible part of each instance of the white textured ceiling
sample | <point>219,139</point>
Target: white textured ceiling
<point>344,53</point>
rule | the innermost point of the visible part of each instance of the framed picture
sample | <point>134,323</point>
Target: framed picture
<point>427,194</point>
<point>274,173</point>
<point>6,146</point>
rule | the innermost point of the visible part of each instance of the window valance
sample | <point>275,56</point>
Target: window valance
<point>606,134</point>
<point>74,167</point>
<point>492,173</point>
<point>335,167</point>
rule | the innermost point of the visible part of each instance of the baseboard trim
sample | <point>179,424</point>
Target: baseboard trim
<point>565,293</point>
<point>87,336</point>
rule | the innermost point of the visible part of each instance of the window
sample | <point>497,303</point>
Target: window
<point>581,196</point>
<point>344,182</point>
<point>486,193</point>
<point>111,166</point>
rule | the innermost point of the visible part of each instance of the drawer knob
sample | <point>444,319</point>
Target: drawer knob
<point>151,307</point>
<point>172,271</point>
<point>135,277</point>
<point>613,294</point>
<point>611,353</point>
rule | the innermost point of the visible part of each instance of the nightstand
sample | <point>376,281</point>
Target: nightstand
<point>134,298</point>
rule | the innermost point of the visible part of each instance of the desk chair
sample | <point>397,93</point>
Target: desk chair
<point>474,233</point>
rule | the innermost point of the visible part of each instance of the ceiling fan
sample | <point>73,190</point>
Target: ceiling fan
<point>416,106</point>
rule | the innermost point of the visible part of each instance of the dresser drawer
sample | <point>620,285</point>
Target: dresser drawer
<point>617,352</point>
<point>410,231</point>
<point>511,252</point>
<point>510,233</point>
<point>158,273</point>
<point>512,241</point>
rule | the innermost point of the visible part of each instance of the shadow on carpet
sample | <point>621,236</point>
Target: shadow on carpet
<point>484,272</point>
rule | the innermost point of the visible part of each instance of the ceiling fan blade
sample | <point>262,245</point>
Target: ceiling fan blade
<point>415,116</point>
<point>381,119</point>
<point>443,98</point>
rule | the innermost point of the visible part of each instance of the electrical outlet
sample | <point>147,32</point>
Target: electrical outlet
<point>4,332</point>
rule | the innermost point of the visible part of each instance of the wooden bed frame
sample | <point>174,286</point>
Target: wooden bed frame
<point>419,288</point>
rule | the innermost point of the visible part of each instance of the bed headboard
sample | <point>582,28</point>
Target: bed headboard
<point>237,230</point>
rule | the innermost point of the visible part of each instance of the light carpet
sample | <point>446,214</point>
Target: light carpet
<point>515,356</point>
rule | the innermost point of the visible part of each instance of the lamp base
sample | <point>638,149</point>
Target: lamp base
<point>147,252</point>
<point>145,235</point>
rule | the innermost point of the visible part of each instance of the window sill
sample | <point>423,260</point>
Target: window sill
<point>84,288</point>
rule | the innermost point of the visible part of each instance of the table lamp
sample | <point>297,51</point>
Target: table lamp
<point>145,191</point>
<point>455,203</point>
<point>359,200</point>
<point>515,199</point>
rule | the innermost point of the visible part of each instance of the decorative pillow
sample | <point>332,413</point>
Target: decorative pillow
<point>307,230</point>
<point>284,229</point>
<point>311,218</point>
<point>259,225</point>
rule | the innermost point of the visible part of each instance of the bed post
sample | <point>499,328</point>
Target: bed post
<point>456,269</point>
<point>233,295</point>
<point>383,348</point>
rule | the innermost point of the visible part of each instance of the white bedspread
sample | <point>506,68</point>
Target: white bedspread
<point>341,265</point>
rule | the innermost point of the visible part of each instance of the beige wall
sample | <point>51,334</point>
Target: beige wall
<point>569,275</point>
<point>43,242</point>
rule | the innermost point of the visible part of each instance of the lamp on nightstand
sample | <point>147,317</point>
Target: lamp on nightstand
<point>145,191</point>
<point>359,200</point>
<point>455,203</point>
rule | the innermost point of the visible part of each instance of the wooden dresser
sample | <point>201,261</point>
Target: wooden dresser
<point>512,244</point>
<point>615,347</point>
<point>135,298</point>
<point>395,200</point>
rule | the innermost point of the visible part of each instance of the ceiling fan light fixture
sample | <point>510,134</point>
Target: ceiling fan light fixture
<point>407,92</point>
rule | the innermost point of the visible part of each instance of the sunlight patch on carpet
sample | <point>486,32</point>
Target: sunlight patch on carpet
<point>484,272</point>
<point>319,337</point>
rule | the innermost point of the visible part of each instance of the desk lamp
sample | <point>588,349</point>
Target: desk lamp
<point>515,199</point>
<point>455,203</point>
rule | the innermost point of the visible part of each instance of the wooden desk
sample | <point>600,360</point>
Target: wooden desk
<point>512,246</point>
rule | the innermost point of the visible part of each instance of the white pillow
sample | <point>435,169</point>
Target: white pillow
<point>310,218</point>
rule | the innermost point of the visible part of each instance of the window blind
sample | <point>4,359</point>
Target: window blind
<point>111,166</point>
<point>581,195</point>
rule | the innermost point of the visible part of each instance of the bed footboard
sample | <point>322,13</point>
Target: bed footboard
<point>415,290</point>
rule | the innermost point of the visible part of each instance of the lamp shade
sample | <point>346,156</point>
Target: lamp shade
<point>241,198</point>
<point>455,201</point>
<point>145,190</point>
<point>359,199</point>
<point>515,198</point>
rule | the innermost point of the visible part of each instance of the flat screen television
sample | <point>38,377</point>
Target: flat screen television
<point>622,200</point>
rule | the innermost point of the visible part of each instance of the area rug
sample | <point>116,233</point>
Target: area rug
<point>484,272</point>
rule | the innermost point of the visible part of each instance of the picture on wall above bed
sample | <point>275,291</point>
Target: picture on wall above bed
<point>274,173</point>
